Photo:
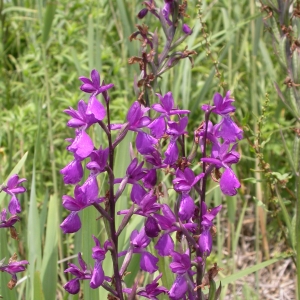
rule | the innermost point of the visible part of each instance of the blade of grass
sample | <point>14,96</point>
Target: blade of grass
<point>49,263</point>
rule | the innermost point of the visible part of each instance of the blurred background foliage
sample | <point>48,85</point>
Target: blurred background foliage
<point>45,46</point>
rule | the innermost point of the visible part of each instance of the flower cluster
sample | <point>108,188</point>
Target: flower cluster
<point>181,229</point>
<point>12,188</point>
<point>159,145</point>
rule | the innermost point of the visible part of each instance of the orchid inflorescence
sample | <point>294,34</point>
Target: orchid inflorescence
<point>160,132</point>
<point>12,188</point>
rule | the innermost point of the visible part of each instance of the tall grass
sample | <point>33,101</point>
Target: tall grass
<point>45,46</point>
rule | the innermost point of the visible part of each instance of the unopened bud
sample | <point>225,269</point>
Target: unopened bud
<point>186,29</point>
<point>142,13</point>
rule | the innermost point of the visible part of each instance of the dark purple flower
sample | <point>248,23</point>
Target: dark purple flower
<point>93,85</point>
<point>222,105</point>
<point>150,179</point>
<point>151,227</point>
<point>177,128</point>
<point>142,13</point>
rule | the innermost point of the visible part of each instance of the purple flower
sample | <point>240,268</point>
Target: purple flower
<point>151,290</point>
<point>228,130</point>
<point>185,180</point>
<point>12,188</point>
<point>224,159</point>
<point>181,263</point>
<point>82,145</point>
<point>166,108</point>
<point>167,10</point>
<point>98,161</point>
<point>205,243</point>
<point>229,183</point>
<point>14,267</point>
<point>158,127</point>
<point>222,105</point>
<point>10,222</point>
<point>136,118</point>
<point>80,119</point>
<point>82,273</point>
<point>71,223</point>
<point>93,85</point>
<point>98,255</point>
<point>95,109</point>
<point>139,241</point>
<point>72,172</point>
<point>145,143</point>
<point>186,207</point>
<point>179,288</point>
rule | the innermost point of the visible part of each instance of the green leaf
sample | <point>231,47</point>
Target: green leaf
<point>238,275</point>
<point>48,20</point>
<point>49,264</point>
<point>37,286</point>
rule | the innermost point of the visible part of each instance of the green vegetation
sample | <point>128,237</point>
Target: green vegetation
<point>45,46</point>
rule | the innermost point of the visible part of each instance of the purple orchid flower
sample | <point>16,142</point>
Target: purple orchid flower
<point>12,188</point>
<point>72,172</point>
<point>98,161</point>
<point>185,180</point>
<point>228,182</point>
<point>71,223</point>
<point>222,105</point>
<point>10,222</point>
<point>82,145</point>
<point>166,106</point>
<point>98,255</point>
<point>151,291</point>
<point>82,273</point>
<point>93,85</point>
<point>138,242</point>
<point>80,118</point>
<point>228,130</point>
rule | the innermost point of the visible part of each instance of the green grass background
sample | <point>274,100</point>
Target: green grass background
<point>46,45</point>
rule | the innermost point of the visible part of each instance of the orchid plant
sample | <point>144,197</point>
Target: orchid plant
<point>12,188</point>
<point>160,133</point>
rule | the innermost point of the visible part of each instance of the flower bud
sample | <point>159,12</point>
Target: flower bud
<point>142,13</point>
<point>186,29</point>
